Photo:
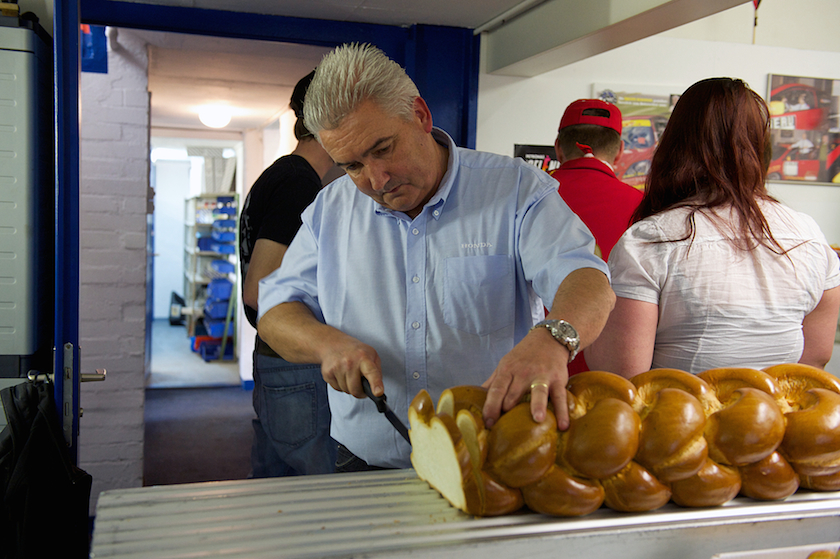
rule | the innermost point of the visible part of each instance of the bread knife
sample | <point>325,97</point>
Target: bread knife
<point>382,407</point>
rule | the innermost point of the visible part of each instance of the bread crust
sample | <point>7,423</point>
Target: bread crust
<point>633,446</point>
<point>769,479</point>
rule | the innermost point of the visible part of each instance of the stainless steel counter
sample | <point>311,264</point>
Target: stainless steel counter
<point>394,514</point>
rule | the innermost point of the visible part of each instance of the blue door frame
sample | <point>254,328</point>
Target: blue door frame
<point>443,62</point>
<point>66,120</point>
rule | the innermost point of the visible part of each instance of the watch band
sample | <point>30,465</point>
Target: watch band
<point>563,332</point>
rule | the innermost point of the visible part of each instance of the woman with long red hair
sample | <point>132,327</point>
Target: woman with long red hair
<point>714,271</point>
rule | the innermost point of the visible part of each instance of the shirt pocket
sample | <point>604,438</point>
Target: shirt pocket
<point>479,293</point>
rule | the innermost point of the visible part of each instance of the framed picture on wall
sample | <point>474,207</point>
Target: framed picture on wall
<point>543,157</point>
<point>805,129</point>
<point>645,111</point>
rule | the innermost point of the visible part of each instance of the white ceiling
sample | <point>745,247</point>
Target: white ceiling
<point>257,77</point>
<point>470,14</point>
<point>523,38</point>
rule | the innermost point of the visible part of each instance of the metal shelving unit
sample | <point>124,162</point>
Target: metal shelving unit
<point>211,267</point>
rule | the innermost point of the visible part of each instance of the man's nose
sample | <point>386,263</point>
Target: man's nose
<point>378,176</point>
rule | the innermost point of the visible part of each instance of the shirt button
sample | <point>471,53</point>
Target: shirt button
<point>415,231</point>
<point>415,325</point>
<point>416,279</point>
<point>436,213</point>
<point>416,375</point>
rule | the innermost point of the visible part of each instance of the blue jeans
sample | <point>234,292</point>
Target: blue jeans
<point>292,429</point>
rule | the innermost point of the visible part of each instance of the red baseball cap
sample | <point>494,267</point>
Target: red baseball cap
<point>581,112</point>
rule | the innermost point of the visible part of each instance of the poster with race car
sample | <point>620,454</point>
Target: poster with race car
<point>645,111</point>
<point>805,129</point>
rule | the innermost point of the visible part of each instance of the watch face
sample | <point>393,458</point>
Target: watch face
<point>566,332</point>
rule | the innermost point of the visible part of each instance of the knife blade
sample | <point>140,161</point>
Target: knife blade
<point>383,408</point>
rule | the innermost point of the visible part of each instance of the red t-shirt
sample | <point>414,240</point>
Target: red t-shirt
<point>604,203</point>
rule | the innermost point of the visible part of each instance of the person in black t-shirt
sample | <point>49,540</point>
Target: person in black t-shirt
<point>292,429</point>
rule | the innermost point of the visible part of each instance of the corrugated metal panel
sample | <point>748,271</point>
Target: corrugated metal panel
<point>394,514</point>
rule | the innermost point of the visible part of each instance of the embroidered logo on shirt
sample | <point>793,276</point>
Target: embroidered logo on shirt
<point>476,245</point>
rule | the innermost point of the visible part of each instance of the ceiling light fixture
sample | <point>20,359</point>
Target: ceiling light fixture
<point>215,116</point>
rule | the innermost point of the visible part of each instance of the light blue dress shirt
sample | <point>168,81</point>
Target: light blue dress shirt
<point>441,298</point>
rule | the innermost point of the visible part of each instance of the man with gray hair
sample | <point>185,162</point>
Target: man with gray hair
<point>426,266</point>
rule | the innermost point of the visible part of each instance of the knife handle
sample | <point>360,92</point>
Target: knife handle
<point>380,401</point>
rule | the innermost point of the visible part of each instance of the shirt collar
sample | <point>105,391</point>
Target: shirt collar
<point>601,160</point>
<point>438,201</point>
<point>586,161</point>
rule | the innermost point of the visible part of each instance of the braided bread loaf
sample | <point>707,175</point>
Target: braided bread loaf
<point>633,445</point>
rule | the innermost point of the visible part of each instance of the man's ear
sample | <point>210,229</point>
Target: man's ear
<point>558,151</point>
<point>423,114</point>
<point>620,153</point>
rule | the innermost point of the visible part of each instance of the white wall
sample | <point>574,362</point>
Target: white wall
<point>808,24</point>
<point>172,188</point>
<point>42,8</point>
<point>114,183</point>
<point>527,110</point>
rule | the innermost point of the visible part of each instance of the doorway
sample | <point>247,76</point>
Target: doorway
<point>119,116</point>
<point>113,178</point>
<point>253,79</point>
<point>176,358</point>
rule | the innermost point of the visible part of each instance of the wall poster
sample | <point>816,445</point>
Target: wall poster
<point>542,157</point>
<point>804,129</point>
<point>644,115</point>
<point>804,122</point>
<point>645,111</point>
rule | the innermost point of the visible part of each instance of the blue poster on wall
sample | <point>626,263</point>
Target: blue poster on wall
<point>94,49</point>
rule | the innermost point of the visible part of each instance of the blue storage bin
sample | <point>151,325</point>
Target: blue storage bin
<point>224,224</point>
<point>223,266</point>
<point>216,327</point>
<point>205,243</point>
<point>219,289</point>
<point>227,210</point>
<point>216,309</point>
<point>223,248</point>
<point>210,350</point>
<point>223,236</point>
<point>196,341</point>
<point>224,199</point>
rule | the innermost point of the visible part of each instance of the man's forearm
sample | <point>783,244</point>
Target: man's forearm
<point>584,300</point>
<point>296,335</point>
<point>293,332</point>
<point>536,363</point>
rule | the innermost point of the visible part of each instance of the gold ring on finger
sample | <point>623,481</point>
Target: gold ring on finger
<point>539,383</point>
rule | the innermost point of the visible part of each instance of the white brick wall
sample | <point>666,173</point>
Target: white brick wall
<point>114,183</point>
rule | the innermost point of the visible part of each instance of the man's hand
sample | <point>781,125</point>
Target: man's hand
<point>536,364</point>
<point>294,333</point>
<point>539,363</point>
<point>346,361</point>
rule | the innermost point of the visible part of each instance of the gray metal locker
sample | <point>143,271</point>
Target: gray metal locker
<point>26,198</point>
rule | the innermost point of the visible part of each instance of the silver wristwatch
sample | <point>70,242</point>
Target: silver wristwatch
<point>564,333</point>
